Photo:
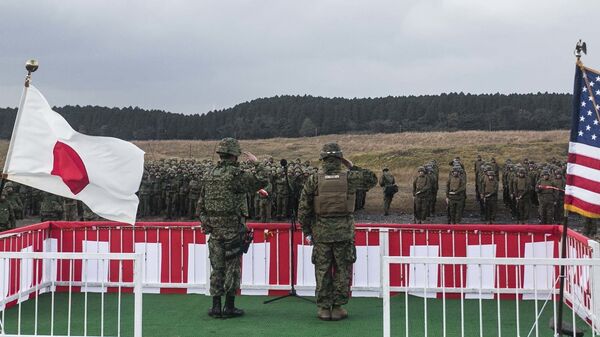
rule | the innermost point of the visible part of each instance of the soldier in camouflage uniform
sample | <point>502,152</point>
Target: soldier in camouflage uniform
<point>388,182</point>
<point>455,195</point>
<point>223,210</point>
<point>326,214</point>
<point>547,193</point>
<point>70,209</point>
<point>489,195</point>
<point>12,195</point>
<point>282,194</point>
<point>559,181</point>
<point>521,192</point>
<point>51,208</point>
<point>421,194</point>
<point>7,213</point>
<point>478,169</point>
<point>145,195</point>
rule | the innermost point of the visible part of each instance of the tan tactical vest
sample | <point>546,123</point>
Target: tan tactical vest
<point>333,197</point>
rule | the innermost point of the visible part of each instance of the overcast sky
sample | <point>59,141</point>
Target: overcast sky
<point>196,56</point>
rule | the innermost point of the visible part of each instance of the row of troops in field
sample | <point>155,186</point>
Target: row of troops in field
<point>170,189</point>
<point>524,185</point>
<point>19,201</point>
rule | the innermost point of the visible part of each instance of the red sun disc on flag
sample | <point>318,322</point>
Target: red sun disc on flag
<point>69,167</point>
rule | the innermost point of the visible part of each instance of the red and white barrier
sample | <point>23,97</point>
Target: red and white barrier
<point>176,259</point>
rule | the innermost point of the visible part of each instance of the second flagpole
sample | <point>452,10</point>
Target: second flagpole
<point>31,66</point>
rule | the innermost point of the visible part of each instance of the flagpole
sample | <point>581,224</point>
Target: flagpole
<point>558,323</point>
<point>31,66</point>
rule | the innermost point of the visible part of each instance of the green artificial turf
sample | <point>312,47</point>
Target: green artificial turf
<point>185,315</point>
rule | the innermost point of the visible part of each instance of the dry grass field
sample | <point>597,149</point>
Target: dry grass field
<point>401,152</point>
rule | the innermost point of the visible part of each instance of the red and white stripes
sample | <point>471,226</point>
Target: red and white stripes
<point>583,180</point>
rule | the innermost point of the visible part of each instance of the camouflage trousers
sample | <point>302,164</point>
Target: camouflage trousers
<point>455,210</point>
<point>491,205</point>
<point>282,205</point>
<point>387,202</point>
<point>421,208</point>
<point>333,271</point>
<point>264,209</point>
<point>546,211</point>
<point>523,206</point>
<point>225,275</point>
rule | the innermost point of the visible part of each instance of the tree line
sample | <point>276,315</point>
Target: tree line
<point>301,116</point>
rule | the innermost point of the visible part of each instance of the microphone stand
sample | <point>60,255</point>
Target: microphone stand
<point>293,228</point>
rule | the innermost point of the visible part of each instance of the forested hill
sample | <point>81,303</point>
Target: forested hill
<point>293,116</point>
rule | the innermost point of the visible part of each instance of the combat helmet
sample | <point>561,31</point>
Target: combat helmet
<point>229,146</point>
<point>331,150</point>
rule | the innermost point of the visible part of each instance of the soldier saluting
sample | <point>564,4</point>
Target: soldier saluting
<point>326,214</point>
<point>223,209</point>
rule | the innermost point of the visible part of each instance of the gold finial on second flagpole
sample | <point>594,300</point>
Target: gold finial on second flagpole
<point>31,66</point>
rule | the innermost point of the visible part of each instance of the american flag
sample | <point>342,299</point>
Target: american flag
<point>582,192</point>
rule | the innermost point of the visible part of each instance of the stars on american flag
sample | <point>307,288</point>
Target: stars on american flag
<point>589,127</point>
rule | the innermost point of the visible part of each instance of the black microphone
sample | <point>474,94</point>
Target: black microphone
<point>283,162</point>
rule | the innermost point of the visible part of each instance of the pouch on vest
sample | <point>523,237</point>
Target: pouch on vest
<point>333,196</point>
<point>219,197</point>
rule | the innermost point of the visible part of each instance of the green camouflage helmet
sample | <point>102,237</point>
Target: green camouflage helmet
<point>229,146</point>
<point>331,150</point>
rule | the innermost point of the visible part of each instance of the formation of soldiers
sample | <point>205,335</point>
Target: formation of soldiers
<point>524,185</point>
<point>170,189</point>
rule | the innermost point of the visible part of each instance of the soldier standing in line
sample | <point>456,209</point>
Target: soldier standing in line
<point>223,211</point>
<point>282,192</point>
<point>421,191</point>
<point>504,180</point>
<point>547,193</point>
<point>489,195</point>
<point>388,183</point>
<point>13,197</point>
<point>521,189</point>
<point>264,203</point>
<point>326,214</point>
<point>70,209</point>
<point>456,188</point>
<point>534,176</point>
<point>559,181</point>
<point>477,169</point>
<point>145,190</point>
<point>7,213</point>
<point>194,194</point>
<point>51,208</point>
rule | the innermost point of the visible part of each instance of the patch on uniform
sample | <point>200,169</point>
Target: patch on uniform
<point>337,176</point>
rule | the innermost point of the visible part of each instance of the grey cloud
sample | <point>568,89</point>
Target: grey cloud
<point>194,56</point>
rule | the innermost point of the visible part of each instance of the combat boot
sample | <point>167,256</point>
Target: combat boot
<point>338,313</point>
<point>324,314</point>
<point>229,310</point>
<point>215,311</point>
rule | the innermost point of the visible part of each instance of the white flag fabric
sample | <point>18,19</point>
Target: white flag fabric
<point>47,154</point>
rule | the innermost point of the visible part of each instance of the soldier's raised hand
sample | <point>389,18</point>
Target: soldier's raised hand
<point>250,157</point>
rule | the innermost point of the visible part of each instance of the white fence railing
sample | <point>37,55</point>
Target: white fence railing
<point>580,274</point>
<point>30,310</point>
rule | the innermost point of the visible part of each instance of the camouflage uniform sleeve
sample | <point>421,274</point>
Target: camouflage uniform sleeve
<point>252,182</point>
<point>200,207</point>
<point>360,178</point>
<point>306,212</point>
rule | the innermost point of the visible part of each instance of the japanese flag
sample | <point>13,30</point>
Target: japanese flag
<point>47,154</point>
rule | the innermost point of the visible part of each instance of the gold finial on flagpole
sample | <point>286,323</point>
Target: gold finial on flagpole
<point>31,66</point>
